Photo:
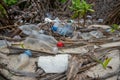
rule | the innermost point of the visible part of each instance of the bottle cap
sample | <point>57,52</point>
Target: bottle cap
<point>28,52</point>
<point>60,44</point>
<point>54,28</point>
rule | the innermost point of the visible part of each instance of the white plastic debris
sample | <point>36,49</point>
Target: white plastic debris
<point>89,16</point>
<point>4,43</point>
<point>99,26</point>
<point>54,64</point>
<point>27,29</point>
<point>17,37</point>
<point>96,34</point>
<point>100,20</point>
<point>86,36</point>
<point>76,35</point>
<point>48,20</point>
<point>55,50</point>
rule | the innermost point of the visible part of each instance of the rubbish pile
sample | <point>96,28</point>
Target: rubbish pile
<point>61,50</point>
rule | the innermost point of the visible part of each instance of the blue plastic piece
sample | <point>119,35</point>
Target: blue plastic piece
<point>54,28</point>
<point>28,52</point>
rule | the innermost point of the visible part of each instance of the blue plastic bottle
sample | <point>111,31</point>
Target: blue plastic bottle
<point>65,30</point>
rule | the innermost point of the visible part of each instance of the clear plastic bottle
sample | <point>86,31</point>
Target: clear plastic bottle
<point>65,30</point>
<point>23,59</point>
<point>4,43</point>
<point>41,42</point>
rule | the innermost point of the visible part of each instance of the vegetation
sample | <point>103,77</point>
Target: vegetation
<point>2,11</point>
<point>10,2</point>
<point>81,8</point>
<point>62,1</point>
<point>114,27</point>
<point>105,62</point>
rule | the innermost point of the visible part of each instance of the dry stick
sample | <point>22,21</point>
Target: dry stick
<point>11,39</point>
<point>9,26</point>
<point>113,14</point>
<point>118,76</point>
<point>52,76</point>
<point>86,67</point>
<point>66,5</point>
<point>74,66</point>
<point>59,77</point>
<point>10,47</point>
<point>3,77</point>
<point>108,45</point>
<point>64,78</point>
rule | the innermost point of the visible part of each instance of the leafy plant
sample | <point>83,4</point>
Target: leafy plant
<point>2,11</point>
<point>22,46</point>
<point>105,62</point>
<point>80,8</point>
<point>10,2</point>
<point>114,27</point>
<point>62,1</point>
<point>3,7</point>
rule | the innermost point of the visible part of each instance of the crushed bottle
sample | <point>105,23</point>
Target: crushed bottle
<point>41,42</point>
<point>96,34</point>
<point>23,59</point>
<point>63,29</point>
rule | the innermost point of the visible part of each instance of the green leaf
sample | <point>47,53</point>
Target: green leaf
<point>114,27</point>
<point>62,1</point>
<point>22,46</point>
<point>112,30</point>
<point>10,2</point>
<point>2,11</point>
<point>91,10</point>
<point>106,62</point>
<point>75,15</point>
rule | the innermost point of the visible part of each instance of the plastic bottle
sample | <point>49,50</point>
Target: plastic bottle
<point>23,59</point>
<point>68,29</point>
<point>41,42</point>
<point>65,30</point>
<point>4,43</point>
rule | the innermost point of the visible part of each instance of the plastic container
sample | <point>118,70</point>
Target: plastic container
<point>23,59</point>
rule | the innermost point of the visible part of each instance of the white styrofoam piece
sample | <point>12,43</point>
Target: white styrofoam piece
<point>54,64</point>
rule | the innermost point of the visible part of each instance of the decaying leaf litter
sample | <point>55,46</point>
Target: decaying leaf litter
<point>83,50</point>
